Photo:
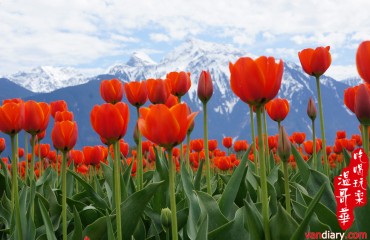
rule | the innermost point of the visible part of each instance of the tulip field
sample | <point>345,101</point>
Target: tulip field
<point>169,185</point>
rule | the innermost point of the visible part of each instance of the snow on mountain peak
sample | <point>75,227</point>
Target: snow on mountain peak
<point>48,78</point>
<point>140,59</point>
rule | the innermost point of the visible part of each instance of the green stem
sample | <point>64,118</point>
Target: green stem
<point>26,155</point>
<point>117,189</point>
<point>188,152</point>
<point>57,167</point>
<point>253,139</point>
<point>266,141</point>
<point>32,172</point>
<point>365,145</point>
<point>287,192</point>
<point>172,175</point>
<point>64,194</point>
<point>314,145</point>
<point>264,195</point>
<point>322,128</point>
<point>15,200</point>
<point>139,161</point>
<point>40,160</point>
<point>208,168</point>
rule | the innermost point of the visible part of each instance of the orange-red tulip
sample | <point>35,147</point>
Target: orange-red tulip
<point>256,81</point>
<point>93,155</point>
<point>362,104</point>
<point>77,156</point>
<point>158,90</point>
<point>37,115</point>
<point>63,116</point>
<point>11,118</point>
<point>341,134</point>
<point>196,145</point>
<point>223,163</point>
<point>227,142</point>
<point>205,87</point>
<point>111,90</point>
<point>41,135</point>
<point>277,109</point>
<point>363,60</point>
<point>299,137</point>
<point>123,147</point>
<point>349,98</point>
<point>240,145</point>
<point>2,145</point>
<point>110,121</point>
<point>83,169</point>
<point>165,126</point>
<point>179,82</point>
<point>64,135</point>
<point>212,144</point>
<point>308,147</point>
<point>20,152</point>
<point>315,62</point>
<point>58,106</point>
<point>44,150</point>
<point>136,93</point>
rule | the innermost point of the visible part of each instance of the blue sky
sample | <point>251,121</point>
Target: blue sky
<point>93,34</point>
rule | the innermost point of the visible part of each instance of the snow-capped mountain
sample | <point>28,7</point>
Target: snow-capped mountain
<point>354,81</point>
<point>47,78</point>
<point>228,116</point>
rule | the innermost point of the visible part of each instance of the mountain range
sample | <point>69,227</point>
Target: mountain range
<point>228,116</point>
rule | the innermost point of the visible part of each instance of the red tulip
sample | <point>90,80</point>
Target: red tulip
<point>165,126</point>
<point>58,106</point>
<point>64,135</point>
<point>136,93</point>
<point>37,115</point>
<point>315,62</point>
<point>179,83</point>
<point>172,100</point>
<point>196,145</point>
<point>83,169</point>
<point>272,142</point>
<point>205,87</point>
<point>277,109</point>
<point>212,145</point>
<point>341,134</point>
<point>349,98</point>
<point>93,155</point>
<point>20,152</point>
<point>158,90</point>
<point>299,137</point>
<point>63,116</point>
<point>240,145</point>
<point>227,142</point>
<point>110,121</point>
<point>40,135</point>
<point>11,118</point>
<point>362,104</point>
<point>2,145</point>
<point>256,81</point>
<point>223,163</point>
<point>111,90</point>
<point>363,60</point>
<point>123,147</point>
<point>308,147</point>
<point>44,150</point>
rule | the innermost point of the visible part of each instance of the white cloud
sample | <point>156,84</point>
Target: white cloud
<point>342,72</point>
<point>68,32</point>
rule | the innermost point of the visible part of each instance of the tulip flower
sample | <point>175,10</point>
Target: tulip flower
<point>167,127</point>
<point>227,142</point>
<point>58,106</point>
<point>111,90</point>
<point>172,100</point>
<point>278,109</point>
<point>315,62</point>
<point>179,82</point>
<point>64,137</point>
<point>197,145</point>
<point>42,150</point>
<point>299,137</point>
<point>349,98</point>
<point>2,145</point>
<point>93,155</point>
<point>37,116</point>
<point>136,93</point>
<point>77,156</point>
<point>212,145</point>
<point>158,90</point>
<point>205,87</point>
<point>363,60</point>
<point>63,116</point>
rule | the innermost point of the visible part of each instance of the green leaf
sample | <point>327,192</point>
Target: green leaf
<point>95,198</point>
<point>231,190</point>
<point>48,226</point>
<point>346,156</point>
<point>233,229</point>
<point>6,176</point>
<point>194,209</point>
<point>198,176</point>
<point>362,215</point>
<point>97,230</point>
<point>300,231</point>
<point>134,207</point>
<point>202,233</point>
<point>253,221</point>
<point>109,227</point>
<point>77,232</point>
<point>209,207</point>
<point>282,225</point>
<point>303,167</point>
<point>89,215</point>
<point>315,181</point>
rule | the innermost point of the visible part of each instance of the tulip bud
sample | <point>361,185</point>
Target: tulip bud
<point>205,87</point>
<point>283,145</point>
<point>362,104</point>
<point>136,134</point>
<point>166,218</point>
<point>311,109</point>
